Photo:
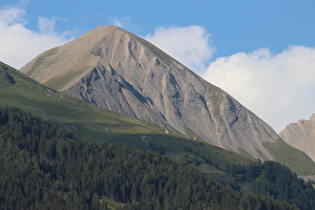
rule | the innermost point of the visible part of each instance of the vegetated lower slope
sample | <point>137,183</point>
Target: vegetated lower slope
<point>43,165</point>
<point>91,123</point>
<point>301,135</point>
<point>117,70</point>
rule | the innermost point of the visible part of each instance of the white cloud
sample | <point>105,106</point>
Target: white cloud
<point>278,88</point>
<point>20,44</point>
<point>46,25</point>
<point>189,45</point>
<point>12,15</point>
<point>125,23</point>
<point>120,22</point>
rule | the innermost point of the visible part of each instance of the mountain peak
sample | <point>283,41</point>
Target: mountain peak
<point>106,28</point>
<point>63,66</point>
<point>116,70</point>
<point>100,32</point>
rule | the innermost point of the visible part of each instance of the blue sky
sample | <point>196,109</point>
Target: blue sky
<point>261,52</point>
<point>235,25</point>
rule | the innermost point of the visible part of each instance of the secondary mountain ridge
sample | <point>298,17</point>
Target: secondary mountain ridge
<point>301,135</point>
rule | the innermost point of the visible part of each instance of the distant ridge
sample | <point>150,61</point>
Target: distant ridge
<point>114,69</point>
<point>301,135</point>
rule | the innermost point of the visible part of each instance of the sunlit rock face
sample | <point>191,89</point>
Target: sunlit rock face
<point>116,70</point>
<point>301,135</point>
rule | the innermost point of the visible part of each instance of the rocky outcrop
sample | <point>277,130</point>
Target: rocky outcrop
<point>301,135</point>
<point>117,70</point>
<point>5,78</point>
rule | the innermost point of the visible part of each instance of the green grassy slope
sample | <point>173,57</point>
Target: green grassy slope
<point>82,117</point>
<point>89,122</point>
<point>291,157</point>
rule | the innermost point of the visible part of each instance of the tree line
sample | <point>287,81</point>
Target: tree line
<point>43,166</point>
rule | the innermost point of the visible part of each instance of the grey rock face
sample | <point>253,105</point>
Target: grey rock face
<point>301,135</point>
<point>116,70</point>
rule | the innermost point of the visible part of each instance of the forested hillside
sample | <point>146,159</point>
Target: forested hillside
<point>43,165</point>
<point>272,179</point>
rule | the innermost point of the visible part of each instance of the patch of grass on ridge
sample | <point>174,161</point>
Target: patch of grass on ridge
<point>291,157</point>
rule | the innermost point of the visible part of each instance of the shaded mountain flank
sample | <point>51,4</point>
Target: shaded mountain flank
<point>116,70</point>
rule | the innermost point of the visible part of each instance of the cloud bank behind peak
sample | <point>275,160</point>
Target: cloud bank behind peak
<point>190,45</point>
<point>20,44</point>
<point>279,88</point>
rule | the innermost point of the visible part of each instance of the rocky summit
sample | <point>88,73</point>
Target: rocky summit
<point>301,135</point>
<point>116,70</point>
